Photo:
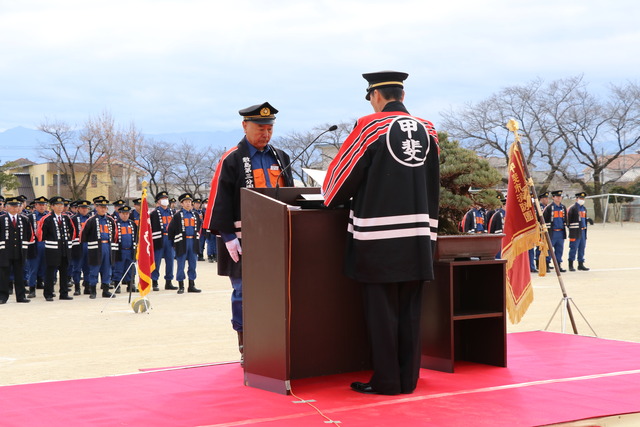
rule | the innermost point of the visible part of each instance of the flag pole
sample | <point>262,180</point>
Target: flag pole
<point>566,300</point>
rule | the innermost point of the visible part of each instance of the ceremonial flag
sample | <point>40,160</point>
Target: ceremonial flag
<point>144,254</point>
<point>521,231</point>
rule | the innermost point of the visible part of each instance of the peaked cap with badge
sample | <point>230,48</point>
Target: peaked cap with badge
<point>264,114</point>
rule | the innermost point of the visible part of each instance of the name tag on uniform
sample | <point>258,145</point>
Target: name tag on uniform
<point>275,167</point>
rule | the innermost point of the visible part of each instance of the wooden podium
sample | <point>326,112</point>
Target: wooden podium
<point>302,316</point>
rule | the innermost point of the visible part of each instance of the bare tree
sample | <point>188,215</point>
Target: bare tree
<point>563,127</point>
<point>192,170</point>
<point>154,157</point>
<point>596,127</point>
<point>76,154</point>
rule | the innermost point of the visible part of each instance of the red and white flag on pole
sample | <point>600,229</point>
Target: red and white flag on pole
<point>144,254</point>
<point>521,231</point>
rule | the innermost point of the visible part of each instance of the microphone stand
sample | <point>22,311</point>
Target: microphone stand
<point>331,129</point>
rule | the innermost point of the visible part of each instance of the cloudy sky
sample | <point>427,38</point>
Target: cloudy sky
<point>190,65</point>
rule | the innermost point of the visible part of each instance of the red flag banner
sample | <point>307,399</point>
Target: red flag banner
<point>144,254</point>
<point>521,234</point>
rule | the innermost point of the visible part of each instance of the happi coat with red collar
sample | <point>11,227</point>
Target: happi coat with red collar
<point>389,165</point>
<point>224,216</point>
<point>91,235</point>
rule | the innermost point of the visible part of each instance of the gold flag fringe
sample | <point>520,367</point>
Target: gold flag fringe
<point>517,309</point>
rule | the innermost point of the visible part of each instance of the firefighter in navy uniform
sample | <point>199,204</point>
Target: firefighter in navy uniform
<point>162,248</point>
<point>16,236</point>
<point>126,253</point>
<point>134,215</point>
<point>58,233</point>
<point>555,218</point>
<point>252,163</point>
<point>577,219</point>
<point>197,207</point>
<point>389,165</point>
<point>101,235</point>
<point>206,238</point>
<point>474,221</point>
<point>184,232</point>
<point>116,208</point>
<point>543,199</point>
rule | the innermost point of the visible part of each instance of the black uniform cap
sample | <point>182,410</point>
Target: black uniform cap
<point>382,79</point>
<point>185,196</point>
<point>543,195</point>
<point>56,200</point>
<point>100,201</point>
<point>40,199</point>
<point>581,195</point>
<point>119,202</point>
<point>162,195</point>
<point>264,114</point>
<point>83,203</point>
<point>137,201</point>
<point>556,193</point>
<point>124,208</point>
<point>13,201</point>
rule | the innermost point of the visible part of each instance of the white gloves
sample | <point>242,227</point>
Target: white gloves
<point>233,246</point>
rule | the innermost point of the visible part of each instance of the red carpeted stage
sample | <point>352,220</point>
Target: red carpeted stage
<point>550,378</point>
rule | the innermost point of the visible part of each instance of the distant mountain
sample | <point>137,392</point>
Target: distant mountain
<point>22,142</point>
<point>19,142</point>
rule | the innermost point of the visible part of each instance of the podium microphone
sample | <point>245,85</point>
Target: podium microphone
<point>331,129</point>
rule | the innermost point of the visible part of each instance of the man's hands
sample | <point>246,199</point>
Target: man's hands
<point>234,248</point>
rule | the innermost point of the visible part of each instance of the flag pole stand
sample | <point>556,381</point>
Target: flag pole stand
<point>566,300</point>
<point>118,287</point>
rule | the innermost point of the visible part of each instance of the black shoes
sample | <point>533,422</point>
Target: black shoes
<point>582,267</point>
<point>65,297</point>
<point>168,286</point>
<point>23,300</point>
<point>367,388</point>
<point>49,298</point>
<point>192,287</point>
<point>154,285</point>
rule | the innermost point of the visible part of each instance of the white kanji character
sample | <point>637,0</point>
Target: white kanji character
<point>411,147</point>
<point>408,126</point>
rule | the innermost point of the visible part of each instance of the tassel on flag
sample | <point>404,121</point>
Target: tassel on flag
<point>144,254</point>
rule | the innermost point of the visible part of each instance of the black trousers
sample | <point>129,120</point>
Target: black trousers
<point>50,277</point>
<point>392,312</point>
<point>17,266</point>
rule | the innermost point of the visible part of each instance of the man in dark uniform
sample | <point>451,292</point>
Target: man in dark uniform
<point>577,219</point>
<point>36,253</point>
<point>252,163</point>
<point>101,235</point>
<point>16,236</point>
<point>79,262</point>
<point>555,217</point>
<point>57,232</point>
<point>389,165</point>
<point>184,233</point>
<point>126,253</point>
<point>162,248</point>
